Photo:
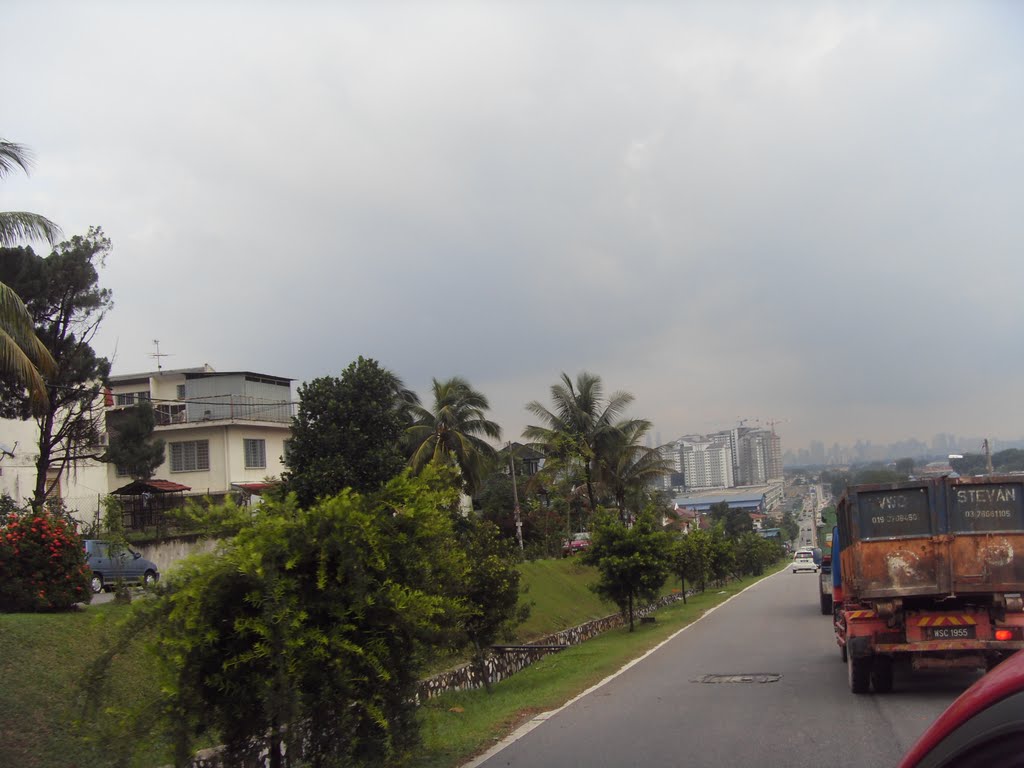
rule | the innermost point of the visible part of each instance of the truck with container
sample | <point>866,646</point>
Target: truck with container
<point>930,571</point>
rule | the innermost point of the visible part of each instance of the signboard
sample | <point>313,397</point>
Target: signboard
<point>888,514</point>
<point>989,507</point>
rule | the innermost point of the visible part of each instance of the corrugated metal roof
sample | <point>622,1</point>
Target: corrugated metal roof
<point>138,487</point>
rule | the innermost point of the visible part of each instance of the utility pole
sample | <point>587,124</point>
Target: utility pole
<point>988,456</point>
<point>515,498</point>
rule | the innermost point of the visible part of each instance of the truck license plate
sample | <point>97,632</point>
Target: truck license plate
<point>953,633</point>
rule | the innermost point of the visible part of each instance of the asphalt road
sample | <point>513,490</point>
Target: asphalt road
<point>661,712</point>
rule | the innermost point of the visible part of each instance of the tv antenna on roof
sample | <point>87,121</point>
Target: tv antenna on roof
<point>158,354</point>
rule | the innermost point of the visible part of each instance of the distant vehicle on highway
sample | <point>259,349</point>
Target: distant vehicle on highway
<point>803,560</point>
<point>580,542</point>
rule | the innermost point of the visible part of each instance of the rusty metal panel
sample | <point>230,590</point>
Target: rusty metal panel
<point>942,536</point>
<point>893,568</point>
<point>986,523</point>
<point>989,562</point>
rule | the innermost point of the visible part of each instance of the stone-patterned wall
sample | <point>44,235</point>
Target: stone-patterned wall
<point>505,661</point>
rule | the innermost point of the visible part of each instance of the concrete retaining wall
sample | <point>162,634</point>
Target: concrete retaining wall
<point>169,551</point>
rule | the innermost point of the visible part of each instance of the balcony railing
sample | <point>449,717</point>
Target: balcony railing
<point>225,408</point>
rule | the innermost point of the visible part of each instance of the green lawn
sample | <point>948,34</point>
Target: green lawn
<point>43,657</point>
<point>42,661</point>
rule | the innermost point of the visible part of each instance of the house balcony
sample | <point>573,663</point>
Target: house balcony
<point>215,408</point>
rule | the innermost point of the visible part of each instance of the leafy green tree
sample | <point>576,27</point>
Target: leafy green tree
<point>491,589</point>
<point>754,553</point>
<point>633,563</point>
<point>735,522</point>
<point>579,425</point>
<point>626,467</point>
<point>1009,460</point>
<point>721,554</point>
<point>67,305</point>
<point>703,544</point>
<point>305,634</point>
<point>132,445</point>
<point>454,430</point>
<point>790,527</point>
<point>346,433</point>
<point>688,560</point>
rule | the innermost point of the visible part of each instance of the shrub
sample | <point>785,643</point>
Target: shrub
<point>42,563</point>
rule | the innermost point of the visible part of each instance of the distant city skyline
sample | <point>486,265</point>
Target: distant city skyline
<point>939,446</point>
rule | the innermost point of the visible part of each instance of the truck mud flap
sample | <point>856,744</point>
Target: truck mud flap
<point>858,647</point>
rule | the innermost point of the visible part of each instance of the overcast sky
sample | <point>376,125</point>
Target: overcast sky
<point>803,212</point>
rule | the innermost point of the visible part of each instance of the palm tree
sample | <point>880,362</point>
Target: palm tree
<point>580,423</point>
<point>453,431</point>
<point>17,226</point>
<point>625,467</point>
<point>21,351</point>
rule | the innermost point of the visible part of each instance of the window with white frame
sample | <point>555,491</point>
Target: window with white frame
<point>255,454</point>
<point>122,471</point>
<point>130,398</point>
<point>190,456</point>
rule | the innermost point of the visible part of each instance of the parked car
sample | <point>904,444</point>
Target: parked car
<point>112,563</point>
<point>983,728</point>
<point>579,542</point>
<point>803,560</point>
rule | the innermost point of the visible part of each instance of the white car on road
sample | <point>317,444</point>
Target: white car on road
<point>803,560</point>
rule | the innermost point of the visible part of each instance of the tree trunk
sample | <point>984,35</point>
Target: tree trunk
<point>590,488</point>
<point>682,583</point>
<point>630,611</point>
<point>274,748</point>
<point>481,663</point>
<point>45,425</point>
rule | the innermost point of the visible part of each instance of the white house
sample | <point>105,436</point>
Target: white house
<point>223,432</point>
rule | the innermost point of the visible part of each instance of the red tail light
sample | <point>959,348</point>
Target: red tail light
<point>1004,634</point>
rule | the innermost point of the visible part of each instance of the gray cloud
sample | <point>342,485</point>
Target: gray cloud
<point>799,212</point>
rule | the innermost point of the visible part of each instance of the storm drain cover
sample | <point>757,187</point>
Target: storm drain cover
<point>750,677</point>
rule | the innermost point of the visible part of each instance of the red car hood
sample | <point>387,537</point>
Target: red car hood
<point>1005,680</point>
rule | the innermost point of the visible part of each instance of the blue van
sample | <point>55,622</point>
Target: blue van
<point>110,564</point>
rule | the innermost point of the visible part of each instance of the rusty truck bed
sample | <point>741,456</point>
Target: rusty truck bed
<point>936,538</point>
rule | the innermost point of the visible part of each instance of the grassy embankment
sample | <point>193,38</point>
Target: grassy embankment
<point>44,655</point>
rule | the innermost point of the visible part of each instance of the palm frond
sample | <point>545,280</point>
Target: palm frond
<point>14,155</point>
<point>14,359</point>
<point>18,226</point>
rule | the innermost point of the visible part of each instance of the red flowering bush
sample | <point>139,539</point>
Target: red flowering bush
<point>42,562</point>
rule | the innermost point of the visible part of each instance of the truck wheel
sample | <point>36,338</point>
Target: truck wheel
<point>826,604</point>
<point>859,672</point>
<point>881,674</point>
